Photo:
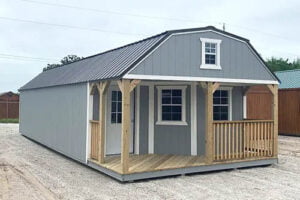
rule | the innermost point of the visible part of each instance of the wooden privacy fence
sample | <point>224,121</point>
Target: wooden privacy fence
<point>243,139</point>
<point>94,139</point>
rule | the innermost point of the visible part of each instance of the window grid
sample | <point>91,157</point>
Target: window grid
<point>116,107</point>
<point>210,53</point>
<point>171,105</point>
<point>221,105</point>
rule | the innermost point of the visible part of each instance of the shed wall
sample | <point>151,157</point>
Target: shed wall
<point>180,55</point>
<point>176,139</point>
<point>56,117</point>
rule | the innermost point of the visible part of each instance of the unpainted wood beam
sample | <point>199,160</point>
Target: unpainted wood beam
<point>133,84</point>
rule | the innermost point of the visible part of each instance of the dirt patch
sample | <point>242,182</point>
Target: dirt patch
<point>30,171</point>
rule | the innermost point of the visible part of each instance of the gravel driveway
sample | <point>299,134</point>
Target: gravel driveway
<point>30,171</point>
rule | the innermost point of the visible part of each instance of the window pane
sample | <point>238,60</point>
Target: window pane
<point>176,116</point>
<point>224,93</point>
<point>216,116</point>
<point>113,118</point>
<point>113,95</point>
<point>166,100</point>
<point>210,59</point>
<point>224,109</point>
<point>166,116</point>
<point>224,116</point>
<point>119,119</point>
<point>119,107</point>
<point>166,93</point>
<point>176,109</point>
<point>176,100</point>
<point>217,93</point>
<point>224,100</point>
<point>217,100</point>
<point>166,109</point>
<point>113,106</point>
<point>176,93</point>
<point>119,96</point>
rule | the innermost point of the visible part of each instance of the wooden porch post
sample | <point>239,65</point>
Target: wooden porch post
<point>102,89</point>
<point>126,86</point>
<point>274,91</point>
<point>209,89</point>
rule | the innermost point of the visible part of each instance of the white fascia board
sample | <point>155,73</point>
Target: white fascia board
<point>203,79</point>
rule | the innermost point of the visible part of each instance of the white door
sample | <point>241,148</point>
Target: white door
<point>114,121</point>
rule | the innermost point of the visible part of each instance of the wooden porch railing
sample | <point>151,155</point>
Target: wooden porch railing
<point>94,139</point>
<point>243,139</point>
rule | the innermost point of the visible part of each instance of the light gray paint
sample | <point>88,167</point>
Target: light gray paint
<point>144,119</point>
<point>237,114</point>
<point>180,55</point>
<point>237,103</point>
<point>172,139</point>
<point>57,118</point>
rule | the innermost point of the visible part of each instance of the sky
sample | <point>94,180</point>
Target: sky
<point>34,33</point>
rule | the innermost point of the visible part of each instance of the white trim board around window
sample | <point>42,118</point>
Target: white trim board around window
<point>183,105</point>
<point>216,53</point>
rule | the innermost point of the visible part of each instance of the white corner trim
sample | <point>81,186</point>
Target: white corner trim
<point>151,120</point>
<point>137,120</point>
<point>245,106</point>
<point>194,119</point>
<point>87,150</point>
<point>183,105</point>
<point>218,60</point>
<point>189,78</point>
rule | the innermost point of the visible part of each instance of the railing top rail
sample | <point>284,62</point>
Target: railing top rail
<point>241,121</point>
<point>94,121</point>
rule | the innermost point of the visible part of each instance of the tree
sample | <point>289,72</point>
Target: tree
<point>66,60</point>
<point>280,64</point>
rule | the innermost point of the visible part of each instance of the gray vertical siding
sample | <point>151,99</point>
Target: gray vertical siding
<point>237,114</point>
<point>180,55</point>
<point>173,139</point>
<point>237,103</point>
<point>57,118</point>
<point>144,119</point>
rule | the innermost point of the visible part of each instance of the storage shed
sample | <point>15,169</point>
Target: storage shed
<point>259,99</point>
<point>167,105</point>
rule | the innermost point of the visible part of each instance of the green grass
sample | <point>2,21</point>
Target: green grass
<point>9,120</point>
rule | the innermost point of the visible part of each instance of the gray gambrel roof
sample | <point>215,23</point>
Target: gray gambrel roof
<point>112,64</point>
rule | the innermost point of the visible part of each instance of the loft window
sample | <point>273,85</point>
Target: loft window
<point>222,107</point>
<point>210,53</point>
<point>171,105</point>
<point>116,107</point>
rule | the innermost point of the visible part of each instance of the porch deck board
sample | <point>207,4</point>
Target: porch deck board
<point>152,162</point>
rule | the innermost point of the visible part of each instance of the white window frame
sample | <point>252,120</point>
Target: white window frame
<point>183,105</point>
<point>210,66</point>
<point>229,89</point>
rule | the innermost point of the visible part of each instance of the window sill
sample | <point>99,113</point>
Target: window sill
<point>205,66</point>
<point>176,123</point>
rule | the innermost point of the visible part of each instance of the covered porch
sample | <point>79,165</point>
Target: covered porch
<point>228,144</point>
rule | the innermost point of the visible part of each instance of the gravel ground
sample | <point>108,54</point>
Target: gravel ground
<point>30,171</point>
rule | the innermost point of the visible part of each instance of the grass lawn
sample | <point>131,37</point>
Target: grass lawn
<point>9,120</point>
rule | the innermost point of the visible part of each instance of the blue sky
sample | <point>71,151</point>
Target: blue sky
<point>92,26</point>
